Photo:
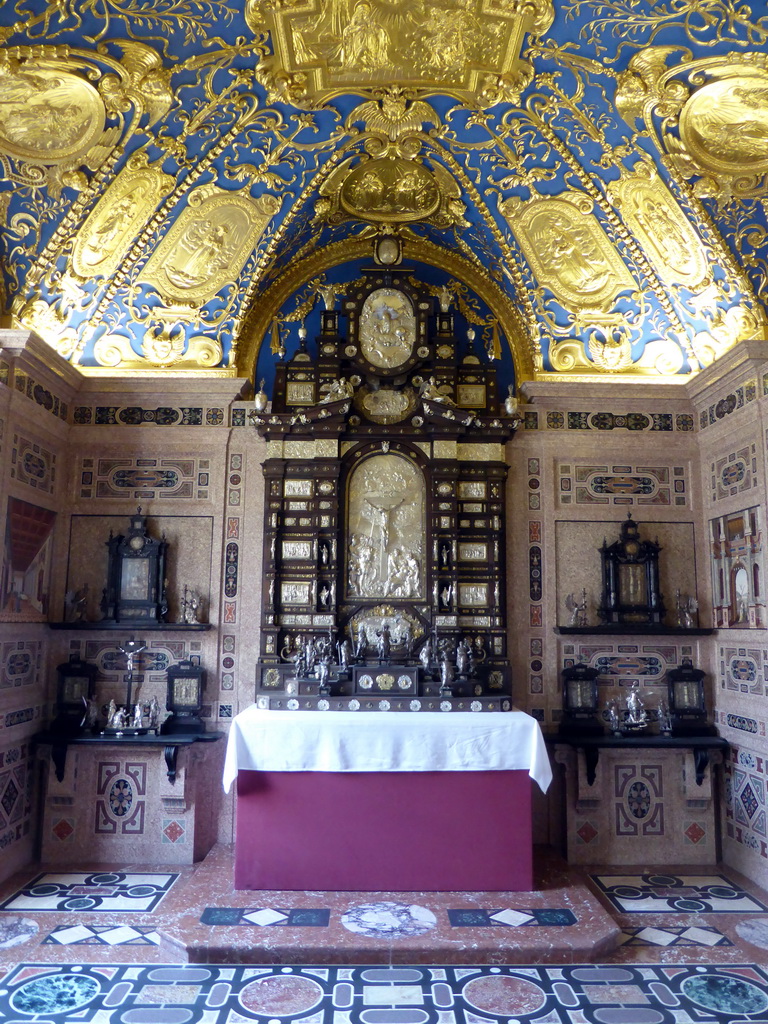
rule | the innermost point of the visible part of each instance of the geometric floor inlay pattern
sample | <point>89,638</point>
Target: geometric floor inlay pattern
<point>102,935</point>
<point>272,917</point>
<point>106,891</point>
<point>203,994</point>
<point>267,917</point>
<point>681,894</point>
<point>694,936</point>
<point>511,917</point>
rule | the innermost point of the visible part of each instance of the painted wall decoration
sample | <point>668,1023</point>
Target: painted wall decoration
<point>26,562</point>
<point>736,546</point>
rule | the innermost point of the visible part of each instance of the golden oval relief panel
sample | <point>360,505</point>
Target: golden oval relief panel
<point>48,116</point>
<point>390,190</point>
<point>724,125</point>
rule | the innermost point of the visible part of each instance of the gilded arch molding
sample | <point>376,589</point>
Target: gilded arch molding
<point>259,319</point>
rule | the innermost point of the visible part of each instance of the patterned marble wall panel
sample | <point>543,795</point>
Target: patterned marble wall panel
<point>33,464</point>
<point>734,473</point>
<point>746,779</point>
<point>743,669</point>
<point>139,478</point>
<point>20,663</point>
<point>610,484</point>
<point>118,804</point>
<point>15,794</point>
<point>638,809</point>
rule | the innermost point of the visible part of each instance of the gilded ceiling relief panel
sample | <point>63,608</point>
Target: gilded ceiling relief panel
<point>48,116</point>
<point>469,48</point>
<point>651,213</point>
<point>123,210</point>
<point>568,250</point>
<point>208,244</point>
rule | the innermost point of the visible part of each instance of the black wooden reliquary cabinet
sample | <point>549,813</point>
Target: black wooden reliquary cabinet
<point>383,579</point>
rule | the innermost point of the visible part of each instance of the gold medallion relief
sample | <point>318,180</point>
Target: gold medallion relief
<point>390,190</point>
<point>724,125</point>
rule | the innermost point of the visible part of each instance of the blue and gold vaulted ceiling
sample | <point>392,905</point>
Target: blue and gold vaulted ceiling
<point>185,181</point>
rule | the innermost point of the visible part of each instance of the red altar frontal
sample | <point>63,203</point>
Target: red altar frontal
<point>406,802</point>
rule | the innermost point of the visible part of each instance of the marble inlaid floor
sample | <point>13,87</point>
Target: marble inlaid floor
<point>711,919</point>
<point>579,994</point>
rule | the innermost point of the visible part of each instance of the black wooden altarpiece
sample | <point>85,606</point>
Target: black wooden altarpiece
<point>384,522</point>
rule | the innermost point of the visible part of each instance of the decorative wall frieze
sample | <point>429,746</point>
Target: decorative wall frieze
<point>650,422</point>
<point>161,416</point>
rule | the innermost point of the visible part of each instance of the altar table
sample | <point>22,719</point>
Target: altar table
<point>384,802</point>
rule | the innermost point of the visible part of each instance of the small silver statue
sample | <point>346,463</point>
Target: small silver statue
<point>578,609</point>
<point>686,607</point>
<point>635,717</point>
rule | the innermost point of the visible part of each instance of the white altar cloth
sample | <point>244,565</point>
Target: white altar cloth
<point>353,741</point>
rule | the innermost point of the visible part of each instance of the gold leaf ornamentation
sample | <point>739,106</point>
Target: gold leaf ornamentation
<point>468,49</point>
<point>47,116</point>
<point>649,210</point>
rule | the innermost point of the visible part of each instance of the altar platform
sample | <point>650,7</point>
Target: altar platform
<point>345,801</point>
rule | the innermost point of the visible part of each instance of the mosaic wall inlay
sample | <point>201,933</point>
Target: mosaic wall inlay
<point>20,662</point>
<point>583,483</point>
<point>736,399</point>
<point>638,800</point>
<point>131,479</point>
<point>734,473</point>
<point>33,464</point>
<point>746,779</point>
<point>744,669</point>
<point>119,803</point>
<point>631,421</point>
